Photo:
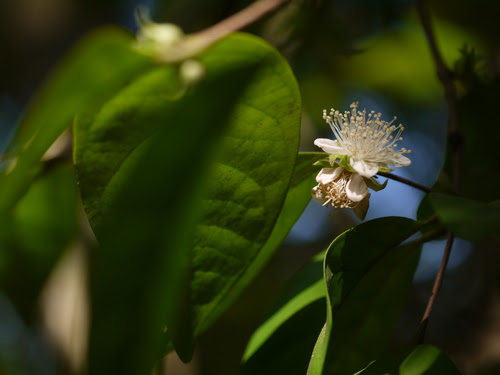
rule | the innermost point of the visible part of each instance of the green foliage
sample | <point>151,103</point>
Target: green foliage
<point>76,86</point>
<point>248,182</point>
<point>468,219</point>
<point>42,225</point>
<point>241,193</point>
<point>367,277</point>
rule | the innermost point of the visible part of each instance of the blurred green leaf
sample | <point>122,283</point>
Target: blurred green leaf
<point>468,219</point>
<point>298,312</point>
<point>41,227</point>
<point>418,360</point>
<point>99,66</point>
<point>142,165</point>
<point>367,275</point>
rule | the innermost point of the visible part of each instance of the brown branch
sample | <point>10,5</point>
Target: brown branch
<point>405,181</point>
<point>455,142</point>
<point>195,43</point>
<point>435,288</point>
<point>239,20</point>
<point>450,94</point>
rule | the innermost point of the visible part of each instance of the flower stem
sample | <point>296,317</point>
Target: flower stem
<point>405,181</point>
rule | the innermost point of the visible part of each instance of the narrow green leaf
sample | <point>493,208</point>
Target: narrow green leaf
<point>100,65</point>
<point>305,288</point>
<point>367,275</point>
<point>311,294</point>
<point>288,349</point>
<point>299,311</point>
<point>468,219</point>
<point>418,360</point>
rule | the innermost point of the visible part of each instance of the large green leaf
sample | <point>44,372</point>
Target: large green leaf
<point>468,219</point>
<point>139,275</point>
<point>149,230</point>
<point>100,65</point>
<point>297,198</point>
<point>418,360</point>
<point>367,274</point>
<point>248,183</point>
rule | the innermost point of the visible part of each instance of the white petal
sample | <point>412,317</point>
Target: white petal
<point>364,168</point>
<point>399,160</point>
<point>327,175</point>
<point>332,147</point>
<point>318,195</point>
<point>356,188</point>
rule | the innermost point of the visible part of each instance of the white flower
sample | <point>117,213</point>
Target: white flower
<point>365,139</point>
<point>339,187</point>
<point>158,38</point>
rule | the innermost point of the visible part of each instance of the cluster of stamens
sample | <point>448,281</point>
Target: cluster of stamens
<point>365,135</point>
<point>334,192</point>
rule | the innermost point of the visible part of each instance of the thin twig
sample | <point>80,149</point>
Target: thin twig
<point>405,181</point>
<point>195,43</point>
<point>435,288</point>
<point>239,20</point>
<point>455,142</point>
<point>450,94</point>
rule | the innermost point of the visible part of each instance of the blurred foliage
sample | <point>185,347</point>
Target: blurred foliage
<point>41,227</point>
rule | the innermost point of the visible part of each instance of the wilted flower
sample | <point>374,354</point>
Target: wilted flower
<point>365,139</point>
<point>339,187</point>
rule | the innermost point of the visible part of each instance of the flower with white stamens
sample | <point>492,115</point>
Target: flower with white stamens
<point>365,139</point>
